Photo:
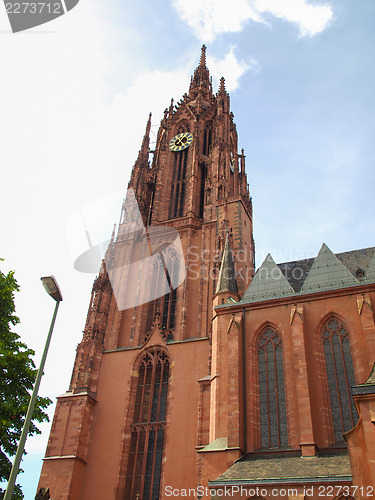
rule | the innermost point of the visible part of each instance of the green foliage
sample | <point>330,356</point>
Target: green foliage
<point>17,376</point>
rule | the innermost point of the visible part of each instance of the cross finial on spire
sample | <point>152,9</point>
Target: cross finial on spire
<point>202,61</point>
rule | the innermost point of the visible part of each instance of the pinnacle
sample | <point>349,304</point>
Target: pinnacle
<point>148,127</point>
<point>202,62</point>
<point>200,81</point>
<point>227,276</point>
<point>222,89</point>
<point>146,140</point>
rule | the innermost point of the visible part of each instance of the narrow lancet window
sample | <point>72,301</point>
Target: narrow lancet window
<point>273,425</point>
<point>340,376</point>
<point>148,428</point>
<point>177,205</point>
<point>177,200</point>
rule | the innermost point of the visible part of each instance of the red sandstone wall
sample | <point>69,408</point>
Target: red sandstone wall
<point>106,468</point>
<point>306,389</point>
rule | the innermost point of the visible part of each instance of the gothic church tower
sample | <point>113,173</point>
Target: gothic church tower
<point>137,411</point>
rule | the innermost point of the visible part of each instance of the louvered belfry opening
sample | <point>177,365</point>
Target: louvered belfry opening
<point>148,428</point>
<point>207,139</point>
<point>340,376</point>
<point>273,425</point>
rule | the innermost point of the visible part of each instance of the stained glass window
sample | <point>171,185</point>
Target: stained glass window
<point>340,376</point>
<point>148,428</point>
<point>273,425</point>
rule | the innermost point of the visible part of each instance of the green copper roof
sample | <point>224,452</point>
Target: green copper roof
<point>327,273</point>
<point>370,275</point>
<point>268,282</point>
<point>218,445</point>
<point>367,387</point>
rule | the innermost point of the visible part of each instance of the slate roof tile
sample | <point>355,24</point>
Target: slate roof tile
<point>358,268</point>
<point>288,468</point>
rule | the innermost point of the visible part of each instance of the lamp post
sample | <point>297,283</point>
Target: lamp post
<point>52,288</point>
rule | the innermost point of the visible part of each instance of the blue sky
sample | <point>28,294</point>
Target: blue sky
<point>75,97</point>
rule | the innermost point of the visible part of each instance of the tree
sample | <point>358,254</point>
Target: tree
<point>17,376</point>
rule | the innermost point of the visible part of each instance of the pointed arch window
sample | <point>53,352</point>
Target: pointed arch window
<point>177,205</point>
<point>273,425</point>
<point>176,208</point>
<point>148,428</point>
<point>340,376</point>
<point>163,291</point>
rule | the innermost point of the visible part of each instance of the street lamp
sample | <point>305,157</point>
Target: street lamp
<point>52,288</point>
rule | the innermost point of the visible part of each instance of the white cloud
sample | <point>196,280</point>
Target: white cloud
<point>231,68</point>
<point>310,18</point>
<point>140,98</point>
<point>209,18</point>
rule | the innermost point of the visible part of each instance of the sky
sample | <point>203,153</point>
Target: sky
<point>75,95</point>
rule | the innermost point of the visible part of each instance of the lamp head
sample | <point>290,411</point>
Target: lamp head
<point>51,287</point>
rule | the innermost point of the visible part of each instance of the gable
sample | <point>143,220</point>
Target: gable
<point>327,273</point>
<point>268,283</point>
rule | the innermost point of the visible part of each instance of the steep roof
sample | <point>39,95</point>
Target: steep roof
<point>326,272</point>
<point>268,282</point>
<point>292,468</point>
<point>371,269</point>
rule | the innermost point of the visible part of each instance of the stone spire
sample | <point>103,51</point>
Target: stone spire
<point>200,82</point>
<point>227,275</point>
<point>139,175</point>
<point>143,153</point>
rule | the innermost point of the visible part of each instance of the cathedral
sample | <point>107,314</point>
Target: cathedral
<point>198,377</point>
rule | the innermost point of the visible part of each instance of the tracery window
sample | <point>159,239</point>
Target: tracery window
<point>273,425</point>
<point>163,291</point>
<point>148,428</point>
<point>176,207</point>
<point>340,376</point>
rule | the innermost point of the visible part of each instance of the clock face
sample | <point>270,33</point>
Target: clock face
<point>181,141</point>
